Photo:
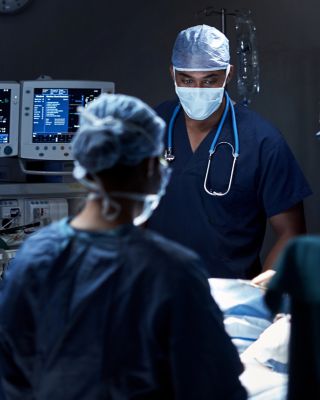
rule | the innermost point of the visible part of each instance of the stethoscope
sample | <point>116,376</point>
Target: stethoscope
<point>169,156</point>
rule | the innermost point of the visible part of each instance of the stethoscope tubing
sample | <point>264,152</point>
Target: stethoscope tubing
<point>235,150</point>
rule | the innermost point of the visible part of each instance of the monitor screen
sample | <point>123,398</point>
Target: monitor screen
<point>55,115</point>
<point>50,116</point>
<point>9,118</point>
<point>5,101</point>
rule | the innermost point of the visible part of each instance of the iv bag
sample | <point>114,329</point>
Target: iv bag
<point>248,64</point>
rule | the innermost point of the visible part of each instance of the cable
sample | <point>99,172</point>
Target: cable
<point>18,228</point>
<point>8,223</point>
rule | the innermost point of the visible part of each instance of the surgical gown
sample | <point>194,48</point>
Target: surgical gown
<point>119,315</point>
<point>228,231</point>
<point>298,275</point>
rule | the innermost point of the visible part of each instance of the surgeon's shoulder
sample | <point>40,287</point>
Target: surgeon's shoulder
<point>300,246</point>
<point>166,108</point>
<point>42,246</point>
<point>253,124</point>
<point>177,272</point>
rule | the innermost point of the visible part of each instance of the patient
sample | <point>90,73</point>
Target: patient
<point>261,340</point>
<point>95,307</point>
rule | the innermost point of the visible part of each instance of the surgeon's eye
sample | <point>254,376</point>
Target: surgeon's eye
<point>209,82</point>
<point>187,81</point>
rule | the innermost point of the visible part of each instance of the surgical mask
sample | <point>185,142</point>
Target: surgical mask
<point>200,103</point>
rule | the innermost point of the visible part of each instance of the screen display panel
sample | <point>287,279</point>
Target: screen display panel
<point>5,104</point>
<point>55,114</point>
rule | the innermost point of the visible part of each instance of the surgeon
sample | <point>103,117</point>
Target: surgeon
<point>95,307</point>
<point>232,170</point>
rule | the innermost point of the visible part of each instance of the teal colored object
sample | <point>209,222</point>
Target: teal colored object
<point>3,245</point>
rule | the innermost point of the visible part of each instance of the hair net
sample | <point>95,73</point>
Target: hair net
<point>201,48</point>
<point>116,129</point>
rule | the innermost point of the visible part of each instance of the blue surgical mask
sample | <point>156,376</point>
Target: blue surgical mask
<point>200,103</point>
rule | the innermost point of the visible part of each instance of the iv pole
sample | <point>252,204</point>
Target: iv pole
<point>223,15</point>
<point>223,20</point>
<point>247,51</point>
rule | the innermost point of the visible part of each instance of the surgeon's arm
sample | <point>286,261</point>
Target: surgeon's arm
<point>286,225</point>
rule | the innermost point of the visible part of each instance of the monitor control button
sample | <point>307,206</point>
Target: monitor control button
<point>7,150</point>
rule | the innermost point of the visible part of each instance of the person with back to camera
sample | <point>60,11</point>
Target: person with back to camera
<point>218,205</point>
<point>95,307</point>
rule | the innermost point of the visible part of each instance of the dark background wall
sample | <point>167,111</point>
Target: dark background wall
<point>129,42</point>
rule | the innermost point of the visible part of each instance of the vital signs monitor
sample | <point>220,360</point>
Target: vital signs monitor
<point>9,118</point>
<point>50,117</point>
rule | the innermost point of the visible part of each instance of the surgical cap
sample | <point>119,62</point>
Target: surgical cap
<point>201,48</point>
<point>117,129</point>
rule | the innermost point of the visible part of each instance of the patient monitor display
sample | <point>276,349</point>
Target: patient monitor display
<point>55,115</point>
<point>5,100</point>
<point>9,118</point>
<point>50,116</point>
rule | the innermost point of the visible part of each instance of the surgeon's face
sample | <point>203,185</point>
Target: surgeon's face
<point>201,79</point>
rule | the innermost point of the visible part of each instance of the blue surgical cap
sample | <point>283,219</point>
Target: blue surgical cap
<point>201,48</point>
<point>117,129</point>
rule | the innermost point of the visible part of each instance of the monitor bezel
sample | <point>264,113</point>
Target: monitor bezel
<point>48,151</point>
<point>10,149</point>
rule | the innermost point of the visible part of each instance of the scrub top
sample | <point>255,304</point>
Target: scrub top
<point>228,231</point>
<point>118,315</point>
<point>298,275</point>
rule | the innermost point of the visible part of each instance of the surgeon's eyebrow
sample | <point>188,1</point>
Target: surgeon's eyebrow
<point>211,75</point>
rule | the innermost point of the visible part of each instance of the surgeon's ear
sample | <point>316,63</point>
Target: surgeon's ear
<point>231,73</point>
<point>171,72</point>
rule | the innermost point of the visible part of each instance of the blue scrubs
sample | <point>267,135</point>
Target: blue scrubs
<point>298,277</point>
<point>228,231</point>
<point>114,315</point>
